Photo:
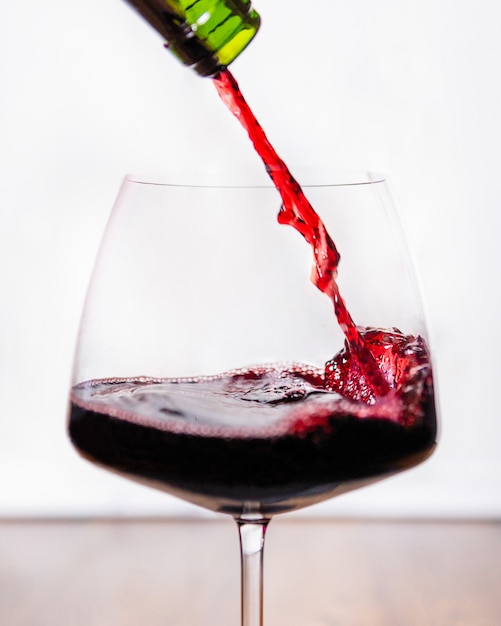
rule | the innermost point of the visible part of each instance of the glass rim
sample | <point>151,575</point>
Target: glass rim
<point>222,179</point>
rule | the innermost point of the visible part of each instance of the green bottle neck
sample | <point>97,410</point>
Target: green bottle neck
<point>206,35</point>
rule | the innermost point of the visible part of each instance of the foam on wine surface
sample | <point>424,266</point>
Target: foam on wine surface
<point>268,400</point>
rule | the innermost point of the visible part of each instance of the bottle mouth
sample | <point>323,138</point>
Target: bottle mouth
<point>232,178</point>
<point>206,37</point>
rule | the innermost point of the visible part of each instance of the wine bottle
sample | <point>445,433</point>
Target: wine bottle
<point>206,35</point>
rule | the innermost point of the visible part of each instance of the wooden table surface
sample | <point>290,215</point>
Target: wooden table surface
<point>186,573</point>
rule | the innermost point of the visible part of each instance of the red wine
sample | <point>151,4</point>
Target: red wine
<point>270,438</point>
<point>297,212</point>
<point>267,438</point>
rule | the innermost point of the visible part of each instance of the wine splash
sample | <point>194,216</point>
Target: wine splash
<point>296,211</point>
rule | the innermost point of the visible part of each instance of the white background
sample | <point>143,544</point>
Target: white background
<point>87,93</point>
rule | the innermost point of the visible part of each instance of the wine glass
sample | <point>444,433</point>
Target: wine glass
<point>206,365</point>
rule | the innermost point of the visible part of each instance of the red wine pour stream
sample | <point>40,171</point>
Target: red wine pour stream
<point>297,212</point>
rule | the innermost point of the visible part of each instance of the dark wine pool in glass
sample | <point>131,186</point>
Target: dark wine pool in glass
<point>265,439</point>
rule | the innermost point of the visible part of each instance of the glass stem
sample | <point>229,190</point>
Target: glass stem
<point>252,533</point>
